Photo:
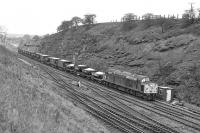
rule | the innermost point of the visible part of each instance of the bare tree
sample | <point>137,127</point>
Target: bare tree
<point>188,17</point>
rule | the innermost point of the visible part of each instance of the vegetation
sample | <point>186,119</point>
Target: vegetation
<point>30,105</point>
<point>129,17</point>
<point>189,89</point>
<point>89,19</point>
<point>76,21</point>
<point>36,38</point>
<point>129,21</point>
<point>65,25</point>
<point>160,47</point>
<point>190,17</point>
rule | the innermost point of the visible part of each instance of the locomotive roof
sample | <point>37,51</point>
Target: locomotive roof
<point>131,77</point>
<point>150,83</point>
<point>127,74</point>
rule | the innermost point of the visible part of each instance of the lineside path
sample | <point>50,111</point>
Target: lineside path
<point>25,61</point>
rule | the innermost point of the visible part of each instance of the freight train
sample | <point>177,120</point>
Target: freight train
<point>133,84</point>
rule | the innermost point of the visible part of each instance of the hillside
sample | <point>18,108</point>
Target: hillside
<point>169,58</point>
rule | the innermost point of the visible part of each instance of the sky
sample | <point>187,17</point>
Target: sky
<point>40,17</point>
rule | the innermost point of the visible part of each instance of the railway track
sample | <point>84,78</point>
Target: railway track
<point>162,110</point>
<point>112,109</point>
<point>118,111</point>
<point>191,112</point>
<point>109,112</point>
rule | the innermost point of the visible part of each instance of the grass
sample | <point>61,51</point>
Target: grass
<point>28,104</point>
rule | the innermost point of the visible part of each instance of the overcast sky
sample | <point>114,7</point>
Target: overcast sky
<point>43,16</point>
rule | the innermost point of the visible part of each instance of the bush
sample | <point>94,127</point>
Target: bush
<point>189,89</point>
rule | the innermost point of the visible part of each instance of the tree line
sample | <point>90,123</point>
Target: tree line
<point>88,19</point>
<point>189,17</point>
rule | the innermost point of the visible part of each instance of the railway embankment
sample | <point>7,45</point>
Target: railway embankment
<point>28,104</point>
<point>169,58</point>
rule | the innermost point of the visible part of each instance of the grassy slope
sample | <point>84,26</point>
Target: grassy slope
<point>169,58</point>
<point>28,105</point>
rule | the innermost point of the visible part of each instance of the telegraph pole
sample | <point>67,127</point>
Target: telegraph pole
<point>191,6</point>
<point>191,11</point>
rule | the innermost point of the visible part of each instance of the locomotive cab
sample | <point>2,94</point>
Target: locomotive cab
<point>150,90</point>
<point>149,87</point>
